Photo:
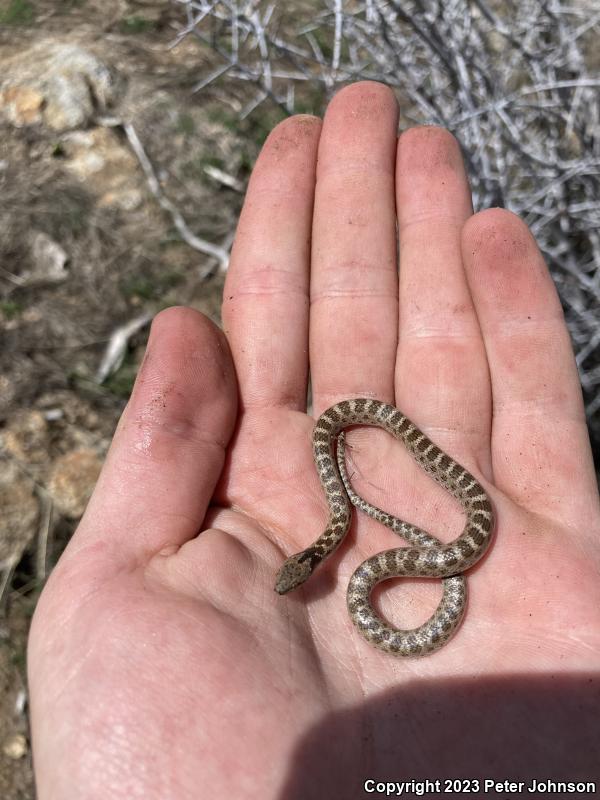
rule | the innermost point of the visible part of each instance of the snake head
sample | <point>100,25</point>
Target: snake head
<point>295,570</point>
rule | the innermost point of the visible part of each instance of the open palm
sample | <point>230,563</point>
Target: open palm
<point>162,663</point>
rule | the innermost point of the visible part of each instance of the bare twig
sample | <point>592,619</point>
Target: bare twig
<point>44,534</point>
<point>117,346</point>
<point>513,81</point>
<point>219,253</point>
<point>186,234</point>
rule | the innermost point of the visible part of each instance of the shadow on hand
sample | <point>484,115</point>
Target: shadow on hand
<point>515,728</point>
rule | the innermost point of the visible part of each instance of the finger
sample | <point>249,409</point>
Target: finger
<point>169,447</point>
<point>353,327</point>
<point>441,372</point>
<point>541,452</point>
<point>265,300</point>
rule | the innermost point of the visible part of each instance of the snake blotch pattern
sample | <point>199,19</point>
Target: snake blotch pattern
<point>426,556</point>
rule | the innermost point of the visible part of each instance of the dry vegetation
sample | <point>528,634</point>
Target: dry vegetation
<point>518,83</point>
<point>201,84</point>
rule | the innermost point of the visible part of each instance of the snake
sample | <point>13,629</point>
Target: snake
<point>425,555</point>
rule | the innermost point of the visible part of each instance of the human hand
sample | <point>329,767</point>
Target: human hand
<point>163,665</point>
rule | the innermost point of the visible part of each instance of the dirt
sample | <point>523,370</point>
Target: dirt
<point>83,252</point>
<point>85,248</point>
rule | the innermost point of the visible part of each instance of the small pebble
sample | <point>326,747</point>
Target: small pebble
<point>15,746</point>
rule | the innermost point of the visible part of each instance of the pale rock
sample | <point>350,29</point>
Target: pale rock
<point>99,159</point>
<point>15,746</point>
<point>19,512</point>
<point>60,84</point>
<point>49,259</point>
<point>72,481</point>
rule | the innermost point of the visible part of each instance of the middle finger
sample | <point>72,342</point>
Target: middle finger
<point>354,281</point>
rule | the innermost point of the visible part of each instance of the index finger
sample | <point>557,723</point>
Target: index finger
<point>265,300</point>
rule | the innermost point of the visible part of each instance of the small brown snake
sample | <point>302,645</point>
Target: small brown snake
<point>425,557</point>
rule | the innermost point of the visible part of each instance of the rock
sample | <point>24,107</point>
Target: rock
<point>48,259</point>
<point>26,437</point>
<point>59,84</point>
<point>72,481</point>
<point>19,511</point>
<point>108,168</point>
<point>22,105</point>
<point>15,746</point>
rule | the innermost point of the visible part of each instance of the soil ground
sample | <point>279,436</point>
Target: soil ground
<point>124,259</point>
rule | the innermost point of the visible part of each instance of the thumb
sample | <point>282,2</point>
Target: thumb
<point>169,447</point>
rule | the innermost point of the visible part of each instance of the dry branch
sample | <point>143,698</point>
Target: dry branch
<point>517,82</point>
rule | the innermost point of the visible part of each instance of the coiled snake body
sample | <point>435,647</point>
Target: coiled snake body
<point>425,557</point>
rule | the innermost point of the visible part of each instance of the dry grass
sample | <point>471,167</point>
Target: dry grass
<point>517,83</point>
